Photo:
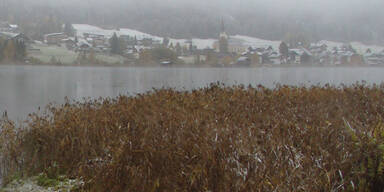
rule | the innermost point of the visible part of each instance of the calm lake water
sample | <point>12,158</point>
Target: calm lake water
<point>24,88</point>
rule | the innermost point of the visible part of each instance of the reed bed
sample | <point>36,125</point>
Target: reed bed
<point>212,139</point>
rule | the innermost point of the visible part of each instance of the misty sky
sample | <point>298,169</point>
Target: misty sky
<point>302,5</point>
<point>345,20</point>
<point>324,9</point>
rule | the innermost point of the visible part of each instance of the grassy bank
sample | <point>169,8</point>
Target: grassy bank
<point>46,54</point>
<point>212,139</point>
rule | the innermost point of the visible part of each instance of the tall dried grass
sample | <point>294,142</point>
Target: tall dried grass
<point>212,139</point>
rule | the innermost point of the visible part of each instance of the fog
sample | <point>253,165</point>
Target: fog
<point>342,20</point>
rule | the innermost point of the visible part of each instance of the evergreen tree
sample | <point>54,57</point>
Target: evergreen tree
<point>165,41</point>
<point>123,44</point>
<point>20,50</point>
<point>9,51</point>
<point>2,46</point>
<point>223,44</point>
<point>283,49</point>
<point>171,46</point>
<point>115,44</point>
<point>179,50</point>
<point>190,46</point>
<point>135,40</point>
<point>92,57</point>
<point>69,30</point>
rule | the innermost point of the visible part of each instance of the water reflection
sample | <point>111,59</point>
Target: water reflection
<point>24,88</point>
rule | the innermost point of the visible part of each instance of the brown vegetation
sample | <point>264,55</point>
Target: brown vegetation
<point>212,139</point>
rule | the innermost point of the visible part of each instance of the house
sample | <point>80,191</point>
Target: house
<point>374,58</point>
<point>234,46</point>
<point>70,43</point>
<point>146,42</point>
<point>356,59</point>
<point>165,63</point>
<point>93,36</point>
<point>6,27</point>
<point>275,58</point>
<point>300,56</point>
<point>323,58</point>
<point>243,61</point>
<point>320,53</point>
<point>255,57</point>
<point>188,59</point>
<point>17,37</point>
<point>54,38</point>
<point>316,49</point>
<point>95,39</point>
<point>83,46</point>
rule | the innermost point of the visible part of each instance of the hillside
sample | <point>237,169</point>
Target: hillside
<point>208,43</point>
<point>342,20</point>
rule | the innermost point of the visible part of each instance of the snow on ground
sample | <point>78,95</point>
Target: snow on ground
<point>46,53</point>
<point>85,28</point>
<point>358,46</point>
<point>31,185</point>
<point>208,43</point>
<point>247,41</point>
<point>330,44</point>
<point>256,42</point>
<point>362,48</point>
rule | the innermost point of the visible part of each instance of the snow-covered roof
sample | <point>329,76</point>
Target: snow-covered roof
<point>306,51</point>
<point>53,34</point>
<point>240,59</point>
<point>301,51</point>
<point>68,39</point>
<point>246,41</point>
<point>140,47</point>
<point>9,34</point>
<point>166,62</point>
<point>360,47</point>
<point>82,42</point>
<point>297,51</point>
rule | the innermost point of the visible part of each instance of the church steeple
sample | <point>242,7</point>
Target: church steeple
<point>222,26</point>
<point>223,39</point>
<point>223,34</point>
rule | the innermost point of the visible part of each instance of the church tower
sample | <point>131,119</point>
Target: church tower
<point>223,39</point>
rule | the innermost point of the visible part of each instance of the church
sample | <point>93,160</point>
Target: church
<point>228,45</point>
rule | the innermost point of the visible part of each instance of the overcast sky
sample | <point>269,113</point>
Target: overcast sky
<point>300,4</point>
<point>252,17</point>
<point>321,7</point>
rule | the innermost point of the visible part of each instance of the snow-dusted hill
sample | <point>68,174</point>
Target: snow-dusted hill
<point>208,43</point>
<point>85,28</point>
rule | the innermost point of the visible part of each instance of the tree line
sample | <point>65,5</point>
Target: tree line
<point>12,50</point>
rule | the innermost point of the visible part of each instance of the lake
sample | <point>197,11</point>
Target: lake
<point>25,88</point>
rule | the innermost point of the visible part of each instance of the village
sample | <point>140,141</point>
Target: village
<point>81,44</point>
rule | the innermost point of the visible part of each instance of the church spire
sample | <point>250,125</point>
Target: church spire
<point>222,25</point>
<point>223,39</point>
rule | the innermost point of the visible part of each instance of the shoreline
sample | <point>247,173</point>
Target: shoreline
<point>191,66</point>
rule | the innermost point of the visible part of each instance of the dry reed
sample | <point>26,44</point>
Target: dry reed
<point>213,139</point>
